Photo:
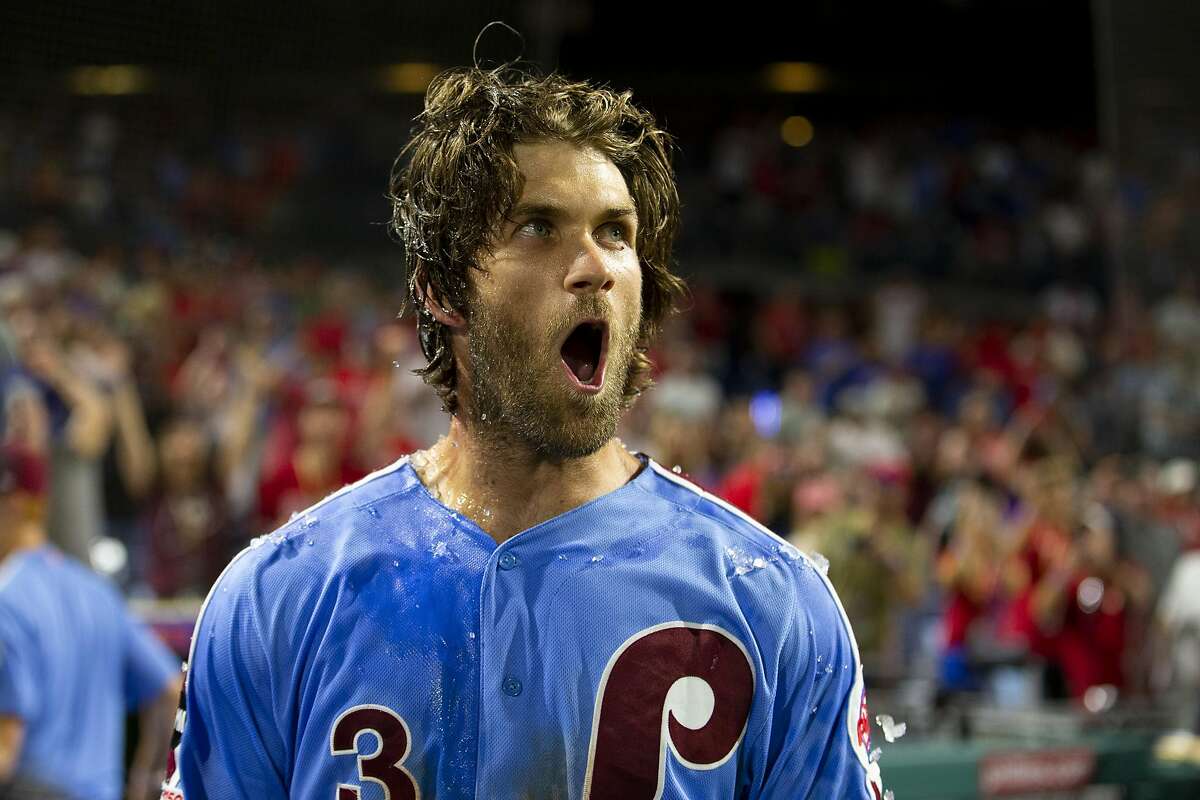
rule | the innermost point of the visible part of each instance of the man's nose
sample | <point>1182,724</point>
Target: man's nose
<point>589,272</point>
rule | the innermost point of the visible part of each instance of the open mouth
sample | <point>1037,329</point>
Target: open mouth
<point>583,355</point>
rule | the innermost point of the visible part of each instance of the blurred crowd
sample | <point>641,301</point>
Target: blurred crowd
<point>996,494</point>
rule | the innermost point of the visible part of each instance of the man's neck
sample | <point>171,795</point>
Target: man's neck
<point>23,537</point>
<point>506,489</point>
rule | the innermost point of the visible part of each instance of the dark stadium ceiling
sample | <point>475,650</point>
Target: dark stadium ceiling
<point>934,51</point>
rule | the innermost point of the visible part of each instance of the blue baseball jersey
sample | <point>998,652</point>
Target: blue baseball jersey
<point>653,642</point>
<point>73,662</point>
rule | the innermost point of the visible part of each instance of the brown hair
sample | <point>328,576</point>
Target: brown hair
<point>457,179</point>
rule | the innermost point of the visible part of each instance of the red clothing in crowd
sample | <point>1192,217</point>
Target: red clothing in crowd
<point>282,493</point>
<point>1089,645</point>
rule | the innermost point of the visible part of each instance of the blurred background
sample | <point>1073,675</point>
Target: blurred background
<point>944,328</point>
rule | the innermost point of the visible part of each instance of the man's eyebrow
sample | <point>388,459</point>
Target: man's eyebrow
<point>552,211</point>
<point>616,212</point>
<point>548,210</point>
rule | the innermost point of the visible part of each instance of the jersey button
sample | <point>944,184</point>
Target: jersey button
<point>511,686</point>
<point>508,561</point>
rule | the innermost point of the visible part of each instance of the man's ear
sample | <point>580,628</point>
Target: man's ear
<point>449,318</point>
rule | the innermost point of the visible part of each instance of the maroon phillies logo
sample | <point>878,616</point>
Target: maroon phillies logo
<point>677,686</point>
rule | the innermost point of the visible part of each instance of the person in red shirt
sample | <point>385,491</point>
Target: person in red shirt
<point>321,461</point>
<point>1080,609</point>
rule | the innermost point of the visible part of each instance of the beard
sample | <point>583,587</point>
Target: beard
<point>519,395</point>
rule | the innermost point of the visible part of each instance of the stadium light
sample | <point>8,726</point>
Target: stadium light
<point>116,79</point>
<point>796,77</point>
<point>796,131</point>
<point>410,78</point>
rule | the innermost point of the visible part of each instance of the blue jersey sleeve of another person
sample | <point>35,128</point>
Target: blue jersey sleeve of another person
<point>818,735</point>
<point>18,672</point>
<point>230,747</point>
<point>149,666</point>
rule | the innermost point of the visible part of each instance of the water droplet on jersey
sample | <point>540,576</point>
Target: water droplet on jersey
<point>677,469</point>
<point>596,559</point>
<point>395,563</point>
<point>790,552</point>
<point>440,550</point>
<point>309,521</point>
<point>743,563</point>
<point>562,557</point>
<point>892,730</point>
<point>888,794</point>
<point>373,511</point>
<point>820,562</point>
<point>470,634</point>
<point>875,754</point>
<point>310,542</point>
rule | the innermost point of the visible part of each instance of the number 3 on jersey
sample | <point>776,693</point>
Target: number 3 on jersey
<point>382,766</point>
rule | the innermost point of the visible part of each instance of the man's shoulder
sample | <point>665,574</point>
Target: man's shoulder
<point>28,578</point>
<point>310,548</point>
<point>384,526</point>
<point>763,569</point>
<point>727,525</point>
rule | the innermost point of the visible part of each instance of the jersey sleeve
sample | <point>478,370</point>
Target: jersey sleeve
<point>18,672</point>
<point>230,745</point>
<point>818,735</point>
<point>149,666</point>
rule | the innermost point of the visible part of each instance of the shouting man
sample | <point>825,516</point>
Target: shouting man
<point>527,609</point>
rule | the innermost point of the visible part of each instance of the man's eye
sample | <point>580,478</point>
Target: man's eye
<point>616,232</point>
<point>536,227</point>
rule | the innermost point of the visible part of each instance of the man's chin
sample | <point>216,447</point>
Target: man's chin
<point>577,431</point>
<point>567,448</point>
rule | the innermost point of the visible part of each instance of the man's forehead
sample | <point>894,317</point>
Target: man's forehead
<point>567,176</point>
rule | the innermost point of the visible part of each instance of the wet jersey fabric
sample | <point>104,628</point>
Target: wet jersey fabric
<point>653,642</point>
<point>73,662</point>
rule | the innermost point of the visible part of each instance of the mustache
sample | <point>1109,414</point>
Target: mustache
<point>589,307</point>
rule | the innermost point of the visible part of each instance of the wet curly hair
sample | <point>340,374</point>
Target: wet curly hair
<point>457,179</point>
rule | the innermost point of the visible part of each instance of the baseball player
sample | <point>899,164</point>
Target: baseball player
<point>72,663</point>
<point>526,609</point>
